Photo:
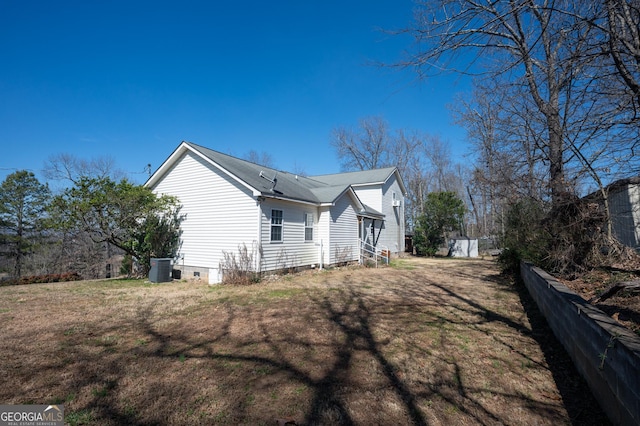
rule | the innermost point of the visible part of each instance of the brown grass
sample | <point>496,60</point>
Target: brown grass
<point>428,341</point>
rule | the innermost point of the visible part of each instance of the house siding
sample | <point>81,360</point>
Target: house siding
<point>220,213</point>
<point>324,234</point>
<point>390,232</point>
<point>370,195</point>
<point>393,229</point>
<point>343,238</point>
<point>293,251</point>
<point>625,214</point>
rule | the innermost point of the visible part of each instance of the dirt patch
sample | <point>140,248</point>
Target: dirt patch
<point>624,306</point>
<point>427,341</point>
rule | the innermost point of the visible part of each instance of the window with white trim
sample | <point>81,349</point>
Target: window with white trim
<point>276,225</point>
<point>308,226</point>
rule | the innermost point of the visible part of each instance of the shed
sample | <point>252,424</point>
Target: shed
<point>463,247</point>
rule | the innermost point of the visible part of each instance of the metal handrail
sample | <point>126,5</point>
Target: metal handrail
<point>374,251</point>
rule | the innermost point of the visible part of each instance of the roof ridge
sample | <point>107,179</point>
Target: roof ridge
<point>357,171</point>
<point>195,145</point>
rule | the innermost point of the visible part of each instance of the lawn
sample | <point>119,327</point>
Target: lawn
<point>426,341</point>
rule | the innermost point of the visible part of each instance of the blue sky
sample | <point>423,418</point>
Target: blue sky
<point>132,79</point>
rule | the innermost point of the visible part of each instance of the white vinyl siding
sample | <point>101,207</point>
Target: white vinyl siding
<point>371,195</point>
<point>344,244</point>
<point>220,214</point>
<point>392,234</point>
<point>323,234</point>
<point>293,251</point>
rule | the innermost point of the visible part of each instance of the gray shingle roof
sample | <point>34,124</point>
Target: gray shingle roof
<point>287,185</point>
<point>324,189</point>
<point>357,178</point>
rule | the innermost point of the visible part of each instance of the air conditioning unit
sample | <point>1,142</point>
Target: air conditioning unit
<point>396,203</point>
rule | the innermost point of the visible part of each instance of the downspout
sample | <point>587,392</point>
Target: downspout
<point>259,239</point>
<point>361,240</point>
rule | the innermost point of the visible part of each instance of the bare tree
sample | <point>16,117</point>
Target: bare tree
<point>537,45</point>
<point>364,148</point>
<point>413,165</point>
<point>622,35</point>
<point>68,167</point>
<point>262,158</point>
<point>299,170</point>
<point>424,161</point>
<point>506,149</point>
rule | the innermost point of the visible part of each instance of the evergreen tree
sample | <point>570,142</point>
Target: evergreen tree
<point>23,201</point>
<point>443,212</point>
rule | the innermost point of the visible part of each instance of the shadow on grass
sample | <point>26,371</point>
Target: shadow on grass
<point>353,318</point>
<point>269,355</point>
<point>345,311</point>
<point>580,403</point>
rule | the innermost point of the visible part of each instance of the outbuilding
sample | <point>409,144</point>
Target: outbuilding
<point>463,247</point>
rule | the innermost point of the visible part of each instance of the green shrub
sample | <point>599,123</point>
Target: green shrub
<point>525,237</point>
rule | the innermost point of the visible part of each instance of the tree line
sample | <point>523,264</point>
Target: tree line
<point>553,116</point>
<point>98,222</point>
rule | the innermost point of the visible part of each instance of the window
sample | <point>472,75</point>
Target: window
<point>308,226</point>
<point>276,225</point>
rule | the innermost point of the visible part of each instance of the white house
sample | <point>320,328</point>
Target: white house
<point>286,220</point>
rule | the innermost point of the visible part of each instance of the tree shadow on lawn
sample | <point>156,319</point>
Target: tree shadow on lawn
<point>348,316</point>
<point>349,320</point>
<point>581,405</point>
<point>243,365</point>
<point>578,399</point>
<point>353,319</point>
